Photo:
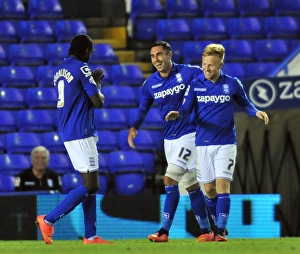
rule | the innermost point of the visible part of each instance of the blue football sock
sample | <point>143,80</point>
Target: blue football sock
<point>212,207</point>
<point>199,208</point>
<point>223,207</point>
<point>171,203</point>
<point>74,198</point>
<point>89,211</point>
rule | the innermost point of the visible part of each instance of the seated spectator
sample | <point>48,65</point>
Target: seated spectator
<point>38,176</point>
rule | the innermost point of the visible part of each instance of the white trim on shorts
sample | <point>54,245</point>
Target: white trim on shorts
<point>215,161</point>
<point>83,154</point>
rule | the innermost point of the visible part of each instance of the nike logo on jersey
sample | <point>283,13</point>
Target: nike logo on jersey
<point>213,98</point>
<point>169,91</point>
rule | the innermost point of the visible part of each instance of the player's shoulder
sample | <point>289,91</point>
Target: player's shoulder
<point>189,67</point>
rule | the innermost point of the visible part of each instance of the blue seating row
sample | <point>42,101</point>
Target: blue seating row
<point>26,31</point>
<point>127,170</point>
<point>42,120</point>
<point>209,8</point>
<point>217,28</point>
<point>36,9</point>
<point>45,97</point>
<point>35,54</point>
<point>42,76</point>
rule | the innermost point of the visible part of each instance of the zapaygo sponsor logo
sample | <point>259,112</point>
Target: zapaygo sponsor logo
<point>264,93</point>
<point>213,98</point>
<point>169,91</point>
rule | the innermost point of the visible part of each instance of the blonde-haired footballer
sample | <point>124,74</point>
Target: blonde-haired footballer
<point>212,96</point>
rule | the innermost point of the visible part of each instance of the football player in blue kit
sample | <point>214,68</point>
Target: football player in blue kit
<point>79,92</point>
<point>211,97</point>
<point>166,87</point>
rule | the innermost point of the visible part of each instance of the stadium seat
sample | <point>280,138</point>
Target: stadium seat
<point>22,142</point>
<point>38,120</point>
<point>290,7</point>
<point>67,29</point>
<point>145,29</point>
<point>13,164</point>
<point>35,31</point>
<point>52,141</point>
<point>127,75</point>
<point>8,121</point>
<point>127,169</point>
<point>119,96</point>
<point>2,143</point>
<point>48,9</point>
<point>149,159</point>
<point>143,141</point>
<point>238,50</point>
<point>56,52</point>
<point>12,9</point>
<point>188,8</point>
<point>173,29</point>
<point>260,69</point>
<point>60,163</point>
<point>271,49</point>
<point>281,27</point>
<point>146,9</point>
<point>3,55</point>
<point>45,74</point>
<point>12,98</point>
<point>193,50</point>
<point>103,175</point>
<point>153,120</point>
<point>103,54</point>
<point>254,8</point>
<point>111,118</point>
<point>106,81</point>
<point>70,182</point>
<point>209,29</point>
<point>107,141</point>
<point>177,50</point>
<point>7,183</point>
<point>30,54</point>
<point>17,76</point>
<point>235,69</point>
<point>245,28</point>
<point>8,33</point>
<point>41,97</point>
<point>220,8</point>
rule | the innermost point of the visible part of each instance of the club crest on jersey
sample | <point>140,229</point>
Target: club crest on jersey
<point>86,70</point>
<point>178,77</point>
<point>226,88</point>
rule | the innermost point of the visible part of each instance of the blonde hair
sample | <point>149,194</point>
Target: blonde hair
<point>215,50</point>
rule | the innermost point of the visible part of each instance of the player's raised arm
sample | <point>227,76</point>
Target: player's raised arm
<point>172,115</point>
<point>263,115</point>
<point>98,99</point>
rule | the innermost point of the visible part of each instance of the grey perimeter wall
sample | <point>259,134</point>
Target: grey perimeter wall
<point>268,161</point>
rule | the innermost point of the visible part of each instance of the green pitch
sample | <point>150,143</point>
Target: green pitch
<point>143,246</point>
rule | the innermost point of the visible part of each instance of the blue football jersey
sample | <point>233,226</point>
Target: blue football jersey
<point>214,108</point>
<point>168,95</point>
<point>75,112</point>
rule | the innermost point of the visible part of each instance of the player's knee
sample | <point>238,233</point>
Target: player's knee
<point>92,187</point>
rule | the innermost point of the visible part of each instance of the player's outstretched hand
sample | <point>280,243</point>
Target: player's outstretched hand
<point>263,115</point>
<point>172,115</point>
<point>98,75</point>
<point>131,135</point>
